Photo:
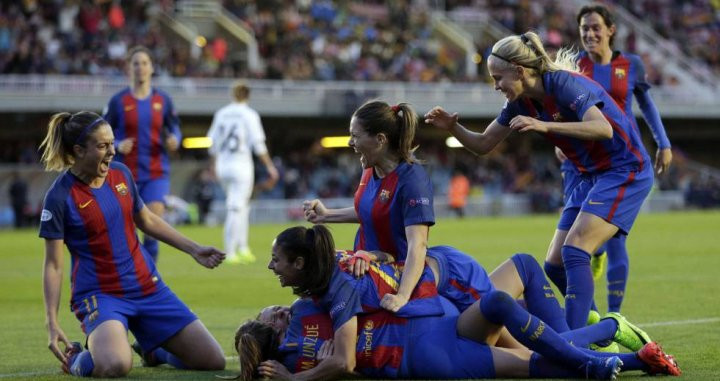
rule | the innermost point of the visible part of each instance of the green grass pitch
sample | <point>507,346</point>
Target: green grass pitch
<point>673,291</point>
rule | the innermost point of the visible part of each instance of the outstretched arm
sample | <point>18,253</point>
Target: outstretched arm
<point>478,143</point>
<point>52,284</point>
<point>594,126</point>
<point>155,226</point>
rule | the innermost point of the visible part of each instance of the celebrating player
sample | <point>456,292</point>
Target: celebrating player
<point>94,207</point>
<point>579,117</point>
<point>147,127</point>
<point>394,201</point>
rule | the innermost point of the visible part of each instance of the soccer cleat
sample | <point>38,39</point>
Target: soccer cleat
<point>658,361</point>
<point>613,347</point>
<point>148,360</point>
<point>593,317</point>
<point>232,259</point>
<point>246,257</point>
<point>70,353</point>
<point>598,262</point>
<point>603,368</point>
<point>628,335</point>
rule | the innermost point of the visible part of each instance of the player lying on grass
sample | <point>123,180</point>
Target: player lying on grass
<point>290,343</point>
<point>305,259</point>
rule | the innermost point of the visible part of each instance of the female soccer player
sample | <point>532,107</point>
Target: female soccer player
<point>94,208</point>
<point>304,259</point>
<point>285,343</point>
<point>147,128</point>
<point>579,117</point>
<point>394,201</point>
<point>622,75</point>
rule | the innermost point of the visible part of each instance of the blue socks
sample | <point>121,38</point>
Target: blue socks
<point>557,276</point>
<point>580,286</point>
<point>500,308</point>
<point>152,247</point>
<point>617,272</point>
<point>538,295</point>
<point>164,357</point>
<point>603,331</point>
<point>82,365</point>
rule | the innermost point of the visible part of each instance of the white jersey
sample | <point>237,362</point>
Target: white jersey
<point>236,133</point>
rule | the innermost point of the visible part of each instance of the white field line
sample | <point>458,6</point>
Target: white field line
<point>230,358</point>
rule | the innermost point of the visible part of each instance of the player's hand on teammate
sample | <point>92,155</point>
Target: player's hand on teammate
<point>326,350</point>
<point>392,302</point>
<point>440,118</point>
<point>663,158</point>
<point>273,370</point>
<point>55,337</point>
<point>523,123</point>
<point>315,211</point>
<point>208,256</point>
<point>126,145</point>
<point>171,143</point>
<point>359,263</point>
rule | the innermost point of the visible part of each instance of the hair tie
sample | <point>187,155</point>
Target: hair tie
<point>524,38</point>
<point>87,128</point>
<point>395,108</point>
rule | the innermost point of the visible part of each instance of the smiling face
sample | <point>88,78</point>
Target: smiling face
<point>289,272</point>
<point>93,159</point>
<point>277,317</point>
<point>141,68</point>
<point>595,34</point>
<point>507,78</point>
<point>366,145</point>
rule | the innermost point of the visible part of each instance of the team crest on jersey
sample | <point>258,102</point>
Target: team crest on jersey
<point>620,73</point>
<point>384,195</point>
<point>557,116</point>
<point>157,106</point>
<point>129,107</point>
<point>121,188</point>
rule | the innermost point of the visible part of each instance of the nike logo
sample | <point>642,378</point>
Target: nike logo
<point>85,204</point>
<point>591,202</point>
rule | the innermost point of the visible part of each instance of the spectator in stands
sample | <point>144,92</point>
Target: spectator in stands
<point>458,191</point>
<point>18,199</point>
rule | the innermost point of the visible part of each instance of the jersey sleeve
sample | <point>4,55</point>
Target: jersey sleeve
<point>52,217</point>
<point>570,92</point>
<point>509,111</point>
<point>647,105</point>
<point>416,195</point>
<point>256,135</point>
<point>641,83</point>
<point>343,300</point>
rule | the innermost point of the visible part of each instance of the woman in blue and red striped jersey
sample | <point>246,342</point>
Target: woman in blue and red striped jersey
<point>306,260</point>
<point>623,77</point>
<point>578,116</point>
<point>285,342</point>
<point>394,200</point>
<point>147,128</point>
<point>94,208</point>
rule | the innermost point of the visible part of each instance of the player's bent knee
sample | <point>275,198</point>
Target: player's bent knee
<point>112,368</point>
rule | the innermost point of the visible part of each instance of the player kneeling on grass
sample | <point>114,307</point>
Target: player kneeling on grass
<point>94,207</point>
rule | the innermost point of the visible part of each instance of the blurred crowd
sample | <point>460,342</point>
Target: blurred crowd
<point>319,39</point>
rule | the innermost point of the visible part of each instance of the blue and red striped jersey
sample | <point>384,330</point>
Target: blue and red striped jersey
<point>385,206</point>
<point>622,78</point>
<point>98,229</point>
<point>382,337</point>
<point>567,97</point>
<point>348,296</point>
<point>148,121</point>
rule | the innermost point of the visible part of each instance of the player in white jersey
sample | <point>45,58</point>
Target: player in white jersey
<point>236,134</point>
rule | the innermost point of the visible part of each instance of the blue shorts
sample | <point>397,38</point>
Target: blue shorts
<point>154,190</point>
<point>435,351</point>
<point>462,279</point>
<point>571,178</point>
<point>615,196</point>
<point>152,319</point>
